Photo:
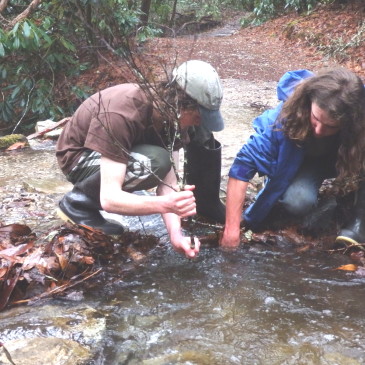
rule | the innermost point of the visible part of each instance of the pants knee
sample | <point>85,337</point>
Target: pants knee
<point>299,204</point>
<point>140,178</point>
<point>158,156</point>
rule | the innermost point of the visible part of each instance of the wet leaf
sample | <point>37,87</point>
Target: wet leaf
<point>17,229</point>
<point>34,276</point>
<point>58,249</point>
<point>7,287</point>
<point>33,259</point>
<point>349,267</point>
<point>47,265</point>
<point>88,260</point>
<point>16,250</point>
<point>13,233</point>
<point>304,248</point>
<point>135,255</point>
<point>48,270</point>
<point>63,261</point>
<point>3,272</point>
<point>17,146</point>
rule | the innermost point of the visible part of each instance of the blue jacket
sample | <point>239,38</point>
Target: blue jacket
<point>269,153</point>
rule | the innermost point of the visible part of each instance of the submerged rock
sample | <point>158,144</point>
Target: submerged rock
<point>45,351</point>
<point>47,336</point>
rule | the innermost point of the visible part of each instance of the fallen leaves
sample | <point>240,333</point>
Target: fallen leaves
<point>356,269</point>
<point>31,270</point>
<point>329,32</point>
<point>17,146</point>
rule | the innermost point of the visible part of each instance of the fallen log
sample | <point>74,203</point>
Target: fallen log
<point>59,124</point>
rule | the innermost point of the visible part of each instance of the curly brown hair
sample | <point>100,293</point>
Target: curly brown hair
<point>341,94</point>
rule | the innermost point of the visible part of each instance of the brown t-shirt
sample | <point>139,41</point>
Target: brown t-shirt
<point>111,122</point>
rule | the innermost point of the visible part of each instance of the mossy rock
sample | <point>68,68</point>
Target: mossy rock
<point>10,139</point>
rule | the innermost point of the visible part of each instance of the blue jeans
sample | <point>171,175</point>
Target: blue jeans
<point>302,194</point>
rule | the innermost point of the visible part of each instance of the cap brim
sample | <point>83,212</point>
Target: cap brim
<point>211,119</point>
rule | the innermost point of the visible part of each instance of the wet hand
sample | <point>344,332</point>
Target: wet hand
<point>189,246</point>
<point>229,240</point>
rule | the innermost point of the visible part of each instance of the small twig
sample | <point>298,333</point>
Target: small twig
<point>61,123</point>
<point>192,242</point>
<point>355,245</point>
<point>216,226</point>
<point>140,221</point>
<point>25,109</point>
<point>57,290</point>
<point>348,247</point>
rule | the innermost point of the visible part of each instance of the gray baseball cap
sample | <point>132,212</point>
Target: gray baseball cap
<point>201,82</point>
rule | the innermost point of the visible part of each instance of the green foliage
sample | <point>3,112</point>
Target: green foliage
<point>337,47</point>
<point>267,9</point>
<point>43,51</point>
<point>42,55</point>
<point>113,17</point>
<point>210,8</point>
<point>161,11</point>
<point>31,57</point>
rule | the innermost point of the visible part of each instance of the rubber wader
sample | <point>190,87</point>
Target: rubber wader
<point>203,169</point>
<point>82,204</point>
<point>354,232</point>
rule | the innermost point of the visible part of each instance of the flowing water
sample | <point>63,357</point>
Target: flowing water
<point>248,307</point>
<point>253,306</point>
<point>260,305</point>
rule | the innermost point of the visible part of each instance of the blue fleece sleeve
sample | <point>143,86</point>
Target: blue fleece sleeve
<point>259,153</point>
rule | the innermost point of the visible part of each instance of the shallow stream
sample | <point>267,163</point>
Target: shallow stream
<point>254,306</point>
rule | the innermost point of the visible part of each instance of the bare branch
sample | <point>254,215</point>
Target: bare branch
<point>25,109</point>
<point>4,22</point>
<point>3,5</point>
<point>33,5</point>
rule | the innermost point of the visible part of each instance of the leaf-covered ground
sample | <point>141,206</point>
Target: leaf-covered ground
<point>331,35</point>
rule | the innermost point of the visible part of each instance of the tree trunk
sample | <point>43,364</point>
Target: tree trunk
<point>90,32</point>
<point>145,9</point>
<point>173,14</point>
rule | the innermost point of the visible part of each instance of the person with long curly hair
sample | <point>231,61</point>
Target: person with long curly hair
<point>316,132</point>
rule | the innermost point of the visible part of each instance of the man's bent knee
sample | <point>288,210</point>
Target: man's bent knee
<point>148,166</point>
<point>159,157</point>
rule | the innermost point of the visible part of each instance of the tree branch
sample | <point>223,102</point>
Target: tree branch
<point>33,5</point>
<point>3,21</point>
<point>3,5</point>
